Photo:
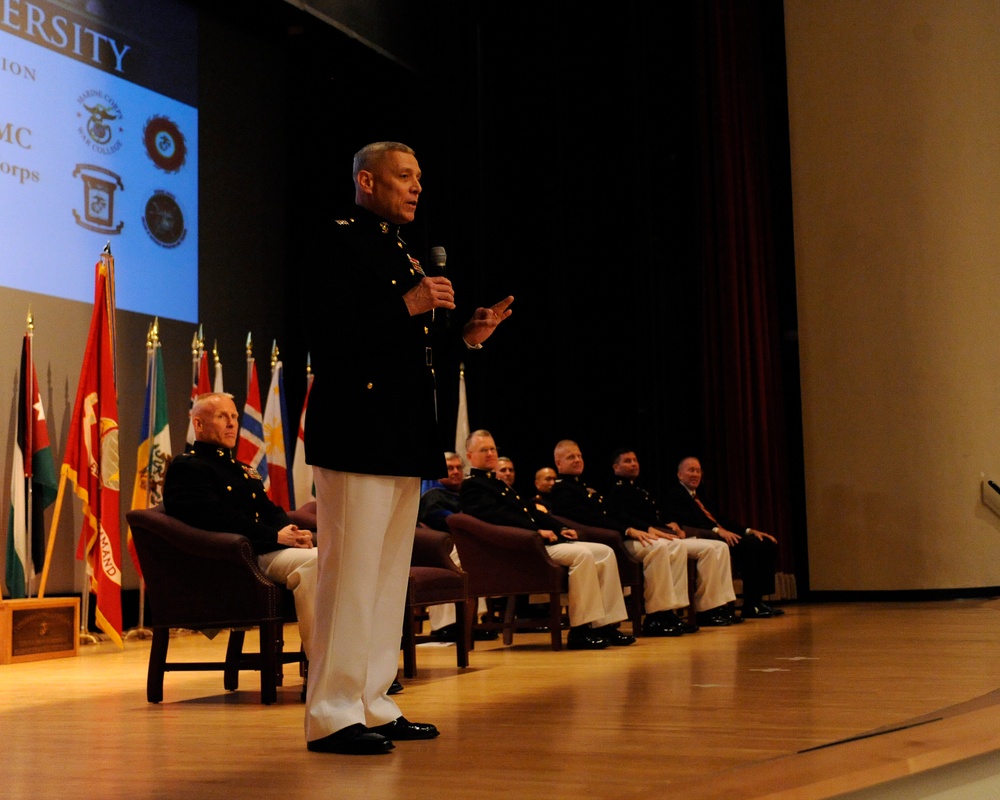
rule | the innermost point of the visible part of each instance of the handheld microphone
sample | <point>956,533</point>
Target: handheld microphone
<point>439,258</point>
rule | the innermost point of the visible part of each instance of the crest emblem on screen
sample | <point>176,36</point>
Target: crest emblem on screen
<point>164,219</point>
<point>99,187</point>
<point>100,117</point>
<point>165,143</point>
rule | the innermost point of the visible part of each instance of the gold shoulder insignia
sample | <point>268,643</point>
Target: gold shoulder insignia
<point>343,221</point>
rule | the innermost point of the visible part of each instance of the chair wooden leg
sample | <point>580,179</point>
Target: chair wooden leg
<point>508,620</point>
<point>410,643</point>
<point>636,607</point>
<point>279,649</point>
<point>462,642</point>
<point>555,620</point>
<point>692,612</point>
<point>234,654</point>
<point>269,663</point>
<point>157,664</point>
<point>468,618</point>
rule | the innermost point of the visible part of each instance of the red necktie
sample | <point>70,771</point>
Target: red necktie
<point>705,510</point>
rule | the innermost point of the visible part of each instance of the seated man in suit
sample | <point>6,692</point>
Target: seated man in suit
<point>440,498</point>
<point>754,552</point>
<point>208,488</point>
<point>664,561</point>
<point>596,603</point>
<point>629,501</point>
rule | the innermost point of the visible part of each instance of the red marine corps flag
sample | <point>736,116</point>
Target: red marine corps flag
<point>91,460</point>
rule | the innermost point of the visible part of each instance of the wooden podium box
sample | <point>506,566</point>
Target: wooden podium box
<point>34,629</point>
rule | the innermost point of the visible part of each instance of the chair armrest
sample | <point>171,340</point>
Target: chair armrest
<point>195,577</point>
<point>216,545</point>
<point>629,567</point>
<point>502,560</point>
<point>432,548</point>
<point>699,533</point>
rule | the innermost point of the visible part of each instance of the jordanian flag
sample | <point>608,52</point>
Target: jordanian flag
<point>34,484</point>
<point>154,449</point>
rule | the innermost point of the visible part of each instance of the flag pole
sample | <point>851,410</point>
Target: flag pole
<point>140,631</point>
<point>29,451</point>
<point>108,262</point>
<point>249,361</point>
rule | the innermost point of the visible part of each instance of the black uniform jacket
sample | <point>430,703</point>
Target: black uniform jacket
<point>372,404</point>
<point>631,503</point>
<point>681,507</point>
<point>208,488</point>
<point>572,498</point>
<point>484,496</point>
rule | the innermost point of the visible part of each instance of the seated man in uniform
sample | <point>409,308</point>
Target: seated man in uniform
<point>208,488</point>
<point>596,602</point>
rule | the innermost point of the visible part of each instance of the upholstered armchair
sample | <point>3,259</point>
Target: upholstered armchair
<point>209,581</point>
<point>501,561</point>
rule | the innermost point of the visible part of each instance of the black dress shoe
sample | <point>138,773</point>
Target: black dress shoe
<point>662,623</point>
<point>395,688</point>
<point>756,610</point>
<point>775,612</point>
<point>714,618</point>
<point>354,740</point>
<point>585,638</point>
<point>689,627</point>
<point>402,729</point>
<point>449,633</point>
<point>614,636</point>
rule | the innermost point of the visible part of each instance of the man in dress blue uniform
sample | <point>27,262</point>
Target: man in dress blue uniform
<point>370,437</point>
<point>596,603</point>
<point>208,488</point>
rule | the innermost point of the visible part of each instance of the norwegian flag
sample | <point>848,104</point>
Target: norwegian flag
<point>250,448</point>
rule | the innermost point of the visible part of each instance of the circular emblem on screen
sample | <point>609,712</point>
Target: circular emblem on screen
<point>164,220</point>
<point>164,144</point>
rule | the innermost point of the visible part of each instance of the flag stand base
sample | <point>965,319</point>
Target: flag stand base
<point>138,633</point>
<point>34,629</point>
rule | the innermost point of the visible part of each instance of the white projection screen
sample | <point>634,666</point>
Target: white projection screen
<point>99,147</point>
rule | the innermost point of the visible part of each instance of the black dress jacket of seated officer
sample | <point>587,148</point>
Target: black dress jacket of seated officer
<point>208,488</point>
<point>372,404</point>
<point>484,496</point>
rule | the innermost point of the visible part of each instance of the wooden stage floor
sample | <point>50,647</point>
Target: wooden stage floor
<point>826,700</point>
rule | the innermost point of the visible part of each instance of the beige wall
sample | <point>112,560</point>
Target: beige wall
<point>895,138</point>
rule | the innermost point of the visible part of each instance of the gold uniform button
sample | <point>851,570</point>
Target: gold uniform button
<point>393,282</point>
<point>229,488</point>
<point>426,330</point>
<point>369,386</point>
<point>253,495</point>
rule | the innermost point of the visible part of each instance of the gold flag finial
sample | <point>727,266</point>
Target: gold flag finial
<point>274,353</point>
<point>249,345</point>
